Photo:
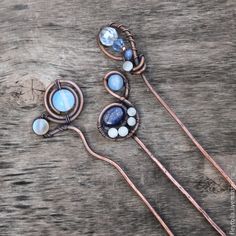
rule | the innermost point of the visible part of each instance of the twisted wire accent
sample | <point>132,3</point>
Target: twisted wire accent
<point>139,60</point>
<point>55,131</point>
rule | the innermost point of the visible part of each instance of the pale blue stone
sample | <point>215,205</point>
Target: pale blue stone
<point>115,82</point>
<point>107,36</point>
<point>63,100</point>
<point>118,45</point>
<point>40,126</point>
<point>128,54</point>
<point>127,66</point>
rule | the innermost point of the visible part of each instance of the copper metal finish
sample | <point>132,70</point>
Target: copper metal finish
<point>175,182</point>
<point>139,70</point>
<point>187,132</point>
<point>124,175</point>
<point>66,119</point>
<point>151,156</point>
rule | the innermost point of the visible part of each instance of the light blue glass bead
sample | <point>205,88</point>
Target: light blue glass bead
<point>118,45</point>
<point>63,100</point>
<point>40,126</point>
<point>128,54</point>
<point>107,36</point>
<point>115,82</point>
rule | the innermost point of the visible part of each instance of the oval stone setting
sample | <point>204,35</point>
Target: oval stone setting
<point>107,36</point>
<point>113,116</point>
<point>63,100</point>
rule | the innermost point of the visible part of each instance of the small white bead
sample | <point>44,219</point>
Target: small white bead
<point>128,66</point>
<point>123,131</point>
<point>40,126</point>
<point>131,111</point>
<point>131,121</point>
<point>112,132</point>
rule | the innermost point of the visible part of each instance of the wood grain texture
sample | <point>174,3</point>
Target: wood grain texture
<point>53,187</point>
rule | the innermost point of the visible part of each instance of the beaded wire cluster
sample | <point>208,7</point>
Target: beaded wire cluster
<point>118,121</point>
<point>112,33</point>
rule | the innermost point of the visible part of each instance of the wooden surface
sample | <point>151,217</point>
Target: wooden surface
<point>53,187</point>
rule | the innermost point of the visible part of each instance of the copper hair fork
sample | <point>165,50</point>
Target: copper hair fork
<point>135,64</point>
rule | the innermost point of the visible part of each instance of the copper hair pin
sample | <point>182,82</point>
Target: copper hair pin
<point>119,121</point>
<point>135,64</point>
<point>64,102</point>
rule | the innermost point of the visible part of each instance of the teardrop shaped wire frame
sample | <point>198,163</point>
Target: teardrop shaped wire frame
<point>125,104</point>
<point>139,69</point>
<point>149,153</point>
<point>126,88</point>
<point>65,119</point>
<point>139,60</point>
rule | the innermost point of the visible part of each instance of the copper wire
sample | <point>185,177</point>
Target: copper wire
<point>117,167</point>
<point>139,69</point>
<point>124,175</point>
<point>179,186</point>
<point>123,100</point>
<point>64,120</point>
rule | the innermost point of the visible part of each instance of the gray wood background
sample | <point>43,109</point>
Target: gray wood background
<point>53,187</point>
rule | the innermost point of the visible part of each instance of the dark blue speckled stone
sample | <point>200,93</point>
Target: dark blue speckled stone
<point>114,116</point>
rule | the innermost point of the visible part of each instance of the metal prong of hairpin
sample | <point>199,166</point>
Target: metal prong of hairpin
<point>110,36</point>
<point>113,123</point>
<point>64,102</point>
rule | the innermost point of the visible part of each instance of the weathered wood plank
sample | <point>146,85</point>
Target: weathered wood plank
<point>53,187</point>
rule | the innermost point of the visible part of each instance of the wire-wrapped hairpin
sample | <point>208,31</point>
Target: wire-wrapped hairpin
<point>110,37</point>
<point>64,102</point>
<point>119,121</point>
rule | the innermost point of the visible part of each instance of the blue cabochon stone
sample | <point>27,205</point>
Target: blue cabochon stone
<point>115,82</point>
<point>63,100</point>
<point>114,116</point>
